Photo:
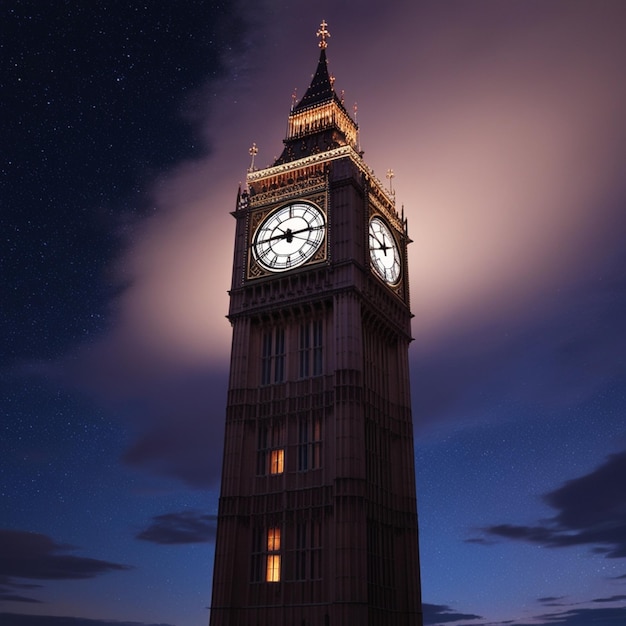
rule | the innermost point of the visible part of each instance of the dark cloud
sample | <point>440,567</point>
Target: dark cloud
<point>176,412</point>
<point>435,614</point>
<point>17,619</point>
<point>552,601</point>
<point>8,591</point>
<point>440,614</point>
<point>9,596</point>
<point>177,528</point>
<point>610,599</point>
<point>483,541</point>
<point>591,510</point>
<point>37,556</point>
<point>582,617</point>
<point>184,436</point>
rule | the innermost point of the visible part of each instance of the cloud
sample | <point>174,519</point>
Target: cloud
<point>552,601</point>
<point>591,511</point>
<point>180,528</point>
<point>441,614</point>
<point>581,617</point>
<point>181,429</point>
<point>610,599</point>
<point>159,362</point>
<point>8,592</point>
<point>502,208</point>
<point>9,596</point>
<point>18,619</point>
<point>435,614</point>
<point>36,556</point>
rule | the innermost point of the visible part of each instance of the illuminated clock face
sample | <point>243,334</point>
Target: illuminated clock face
<point>384,252</point>
<point>288,237</point>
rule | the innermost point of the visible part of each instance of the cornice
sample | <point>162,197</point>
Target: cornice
<point>321,158</point>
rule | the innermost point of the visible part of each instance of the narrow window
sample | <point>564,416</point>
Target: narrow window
<point>272,571</point>
<point>304,349</point>
<point>310,442</point>
<point>310,349</point>
<point>258,553</point>
<point>273,356</point>
<point>271,448</point>
<point>277,461</point>
<point>308,561</point>
<point>279,365</point>
<point>266,358</point>
<point>317,347</point>
<point>301,551</point>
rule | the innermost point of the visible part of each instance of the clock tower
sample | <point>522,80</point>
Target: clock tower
<point>317,522</point>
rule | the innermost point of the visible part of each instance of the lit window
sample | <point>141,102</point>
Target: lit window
<point>272,570</point>
<point>273,539</point>
<point>270,450</point>
<point>277,461</point>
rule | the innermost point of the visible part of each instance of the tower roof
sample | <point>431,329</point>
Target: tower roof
<point>321,88</point>
<point>319,122</point>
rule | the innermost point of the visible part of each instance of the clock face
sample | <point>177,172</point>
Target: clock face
<point>288,237</point>
<point>384,252</point>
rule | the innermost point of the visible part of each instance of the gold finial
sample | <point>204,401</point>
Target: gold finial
<point>253,151</point>
<point>390,176</point>
<point>323,34</point>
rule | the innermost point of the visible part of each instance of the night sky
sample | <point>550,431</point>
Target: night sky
<point>125,134</point>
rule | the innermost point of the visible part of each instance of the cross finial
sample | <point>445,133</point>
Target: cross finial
<point>323,34</point>
<point>253,151</point>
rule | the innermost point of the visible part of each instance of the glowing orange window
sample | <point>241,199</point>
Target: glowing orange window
<point>277,461</point>
<point>272,571</point>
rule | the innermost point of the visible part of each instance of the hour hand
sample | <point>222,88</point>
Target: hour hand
<point>381,244</point>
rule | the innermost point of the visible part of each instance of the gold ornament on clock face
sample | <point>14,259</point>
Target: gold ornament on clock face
<point>384,252</point>
<point>288,237</point>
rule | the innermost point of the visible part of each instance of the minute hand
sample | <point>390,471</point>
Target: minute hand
<point>288,234</point>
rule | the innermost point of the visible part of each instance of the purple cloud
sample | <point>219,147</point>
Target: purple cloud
<point>180,528</point>
<point>591,510</point>
<point>33,555</point>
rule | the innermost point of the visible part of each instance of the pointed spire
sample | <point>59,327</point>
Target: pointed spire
<point>321,88</point>
<point>319,121</point>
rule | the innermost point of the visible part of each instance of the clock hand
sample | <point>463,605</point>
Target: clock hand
<point>288,234</point>
<point>302,230</point>
<point>384,248</point>
<point>381,244</point>
<point>375,238</point>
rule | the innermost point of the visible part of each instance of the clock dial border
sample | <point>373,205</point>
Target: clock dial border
<point>390,276</point>
<point>256,267</point>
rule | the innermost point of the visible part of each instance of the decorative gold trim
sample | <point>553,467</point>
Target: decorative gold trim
<point>324,157</point>
<point>323,34</point>
<point>319,117</point>
<point>289,191</point>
